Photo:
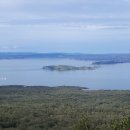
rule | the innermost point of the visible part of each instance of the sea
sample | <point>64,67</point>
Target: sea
<point>29,72</point>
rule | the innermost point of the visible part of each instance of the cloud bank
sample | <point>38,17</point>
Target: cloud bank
<point>36,25</point>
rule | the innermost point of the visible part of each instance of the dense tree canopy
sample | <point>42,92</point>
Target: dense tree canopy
<point>63,108</point>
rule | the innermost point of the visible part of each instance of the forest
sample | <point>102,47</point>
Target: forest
<point>63,108</point>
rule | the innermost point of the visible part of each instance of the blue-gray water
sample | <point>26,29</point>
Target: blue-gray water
<point>29,72</point>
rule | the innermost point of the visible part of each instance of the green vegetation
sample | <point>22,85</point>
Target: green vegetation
<point>66,68</point>
<point>63,108</point>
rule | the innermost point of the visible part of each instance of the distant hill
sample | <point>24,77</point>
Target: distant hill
<point>96,58</point>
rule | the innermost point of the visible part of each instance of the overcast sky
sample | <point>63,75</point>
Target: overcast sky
<point>86,26</point>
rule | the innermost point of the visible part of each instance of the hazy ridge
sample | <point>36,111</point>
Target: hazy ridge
<point>97,58</point>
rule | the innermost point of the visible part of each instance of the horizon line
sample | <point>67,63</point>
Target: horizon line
<point>82,53</point>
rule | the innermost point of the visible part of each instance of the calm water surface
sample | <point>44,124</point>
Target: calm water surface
<point>29,72</point>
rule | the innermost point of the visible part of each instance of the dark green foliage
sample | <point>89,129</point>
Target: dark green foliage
<point>84,124</point>
<point>88,124</point>
<point>63,108</point>
<point>122,124</point>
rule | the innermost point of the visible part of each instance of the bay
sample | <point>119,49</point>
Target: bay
<point>29,72</point>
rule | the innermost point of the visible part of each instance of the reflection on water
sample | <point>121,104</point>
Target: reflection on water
<point>29,72</point>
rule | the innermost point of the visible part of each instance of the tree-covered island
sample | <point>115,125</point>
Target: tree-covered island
<point>67,68</point>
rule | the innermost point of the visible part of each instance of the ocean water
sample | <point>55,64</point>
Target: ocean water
<point>29,72</point>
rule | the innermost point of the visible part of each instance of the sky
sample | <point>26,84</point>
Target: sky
<point>84,26</point>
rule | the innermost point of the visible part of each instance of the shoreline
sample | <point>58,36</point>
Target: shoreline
<point>85,89</point>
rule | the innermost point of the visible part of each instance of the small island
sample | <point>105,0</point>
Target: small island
<point>67,68</point>
<point>111,62</point>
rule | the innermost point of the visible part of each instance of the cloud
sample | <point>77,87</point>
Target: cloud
<point>126,0</point>
<point>27,22</point>
<point>6,4</point>
<point>41,11</point>
<point>8,47</point>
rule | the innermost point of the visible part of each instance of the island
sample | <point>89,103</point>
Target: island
<point>111,62</point>
<point>67,68</point>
